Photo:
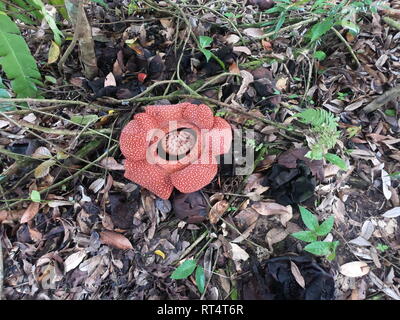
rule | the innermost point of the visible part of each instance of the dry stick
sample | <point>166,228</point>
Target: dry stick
<point>347,46</point>
<point>382,99</point>
<point>194,244</point>
<point>80,171</point>
<point>50,101</point>
<point>43,139</point>
<point>291,27</point>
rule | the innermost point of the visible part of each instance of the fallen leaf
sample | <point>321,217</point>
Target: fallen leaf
<point>41,153</point>
<point>43,169</point>
<point>275,235</point>
<point>74,260</point>
<point>160,253</point>
<point>110,80</point>
<point>232,39</point>
<point>115,240</point>
<point>96,185</point>
<point>54,53</point>
<point>238,253</point>
<point>30,212</point>
<point>242,49</point>
<point>354,269</point>
<point>392,213</point>
<point>281,84</point>
<point>233,68</point>
<point>297,274</point>
<point>386,184</point>
<point>111,164</point>
<point>253,32</point>
<point>217,211</point>
<point>247,79</point>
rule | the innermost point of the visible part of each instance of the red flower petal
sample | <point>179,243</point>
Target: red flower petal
<point>201,115</point>
<point>151,177</point>
<point>219,139</point>
<point>168,112</point>
<point>133,142</point>
<point>194,177</point>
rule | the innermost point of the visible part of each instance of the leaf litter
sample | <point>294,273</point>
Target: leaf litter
<point>91,227</point>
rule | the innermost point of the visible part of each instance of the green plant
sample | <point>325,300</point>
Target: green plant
<point>382,247</point>
<point>319,248</point>
<point>323,135</point>
<point>16,60</point>
<point>205,42</point>
<point>186,269</point>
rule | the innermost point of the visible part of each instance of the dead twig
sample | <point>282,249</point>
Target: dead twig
<point>382,99</point>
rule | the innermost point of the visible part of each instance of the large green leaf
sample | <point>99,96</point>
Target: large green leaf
<point>184,270</point>
<point>309,219</point>
<point>16,60</point>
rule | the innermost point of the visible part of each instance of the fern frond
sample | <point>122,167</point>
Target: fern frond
<point>323,128</point>
<point>16,60</point>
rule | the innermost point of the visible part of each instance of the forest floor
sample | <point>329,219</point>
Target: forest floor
<point>73,227</point>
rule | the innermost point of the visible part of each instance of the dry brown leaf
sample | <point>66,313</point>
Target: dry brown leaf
<point>232,39</point>
<point>266,45</point>
<point>275,235</point>
<point>253,32</point>
<point>43,169</point>
<point>74,260</point>
<point>297,274</point>
<point>386,184</point>
<point>96,185</point>
<point>233,68</point>
<point>217,211</point>
<point>242,49</point>
<point>115,240</point>
<point>3,215</point>
<point>354,269</point>
<point>281,84</point>
<point>110,80</point>
<point>247,79</point>
<point>111,164</point>
<point>270,208</point>
<point>41,153</point>
<point>238,253</point>
<point>30,212</point>
<point>392,213</point>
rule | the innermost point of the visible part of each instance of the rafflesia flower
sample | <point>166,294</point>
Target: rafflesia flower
<point>171,146</point>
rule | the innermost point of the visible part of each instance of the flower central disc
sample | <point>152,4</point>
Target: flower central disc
<point>178,143</point>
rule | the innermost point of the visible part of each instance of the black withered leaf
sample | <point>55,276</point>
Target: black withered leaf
<point>275,280</point>
<point>190,207</point>
<point>290,185</point>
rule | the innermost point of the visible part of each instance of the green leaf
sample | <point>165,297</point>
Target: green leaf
<point>390,112</point>
<point>350,25</point>
<point>50,21</point>
<point>84,120</point>
<point>319,55</point>
<point>35,196</point>
<point>307,236</point>
<point>16,60</point>
<point>205,41</point>
<point>309,219</point>
<point>50,79</point>
<point>320,28</point>
<point>336,160</point>
<point>184,270</point>
<point>319,248</point>
<point>200,279</point>
<point>207,53</point>
<point>325,226</point>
